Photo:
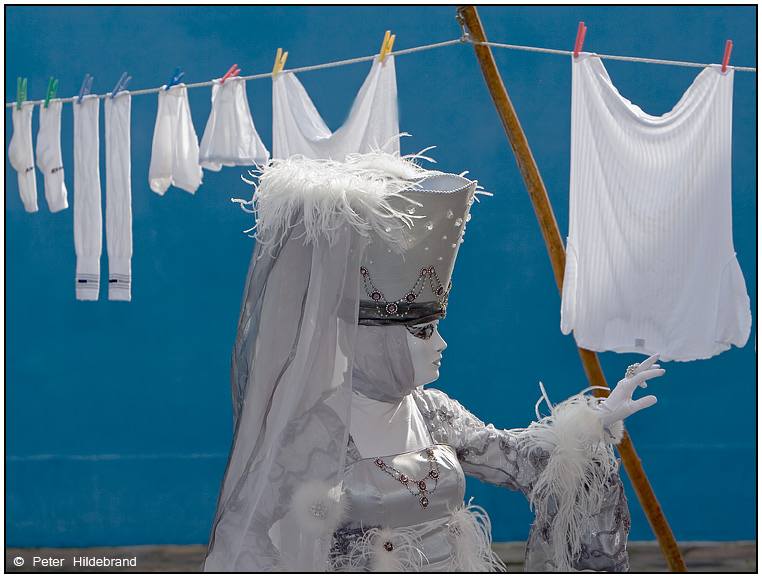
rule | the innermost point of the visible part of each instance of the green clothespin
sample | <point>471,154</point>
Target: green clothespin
<point>20,92</point>
<point>52,88</point>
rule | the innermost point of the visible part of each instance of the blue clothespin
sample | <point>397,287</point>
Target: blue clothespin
<point>176,76</point>
<point>124,80</point>
<point>86,86</point>
<point>52,88</point>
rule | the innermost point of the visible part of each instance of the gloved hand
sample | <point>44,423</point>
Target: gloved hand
<point>619,404</point>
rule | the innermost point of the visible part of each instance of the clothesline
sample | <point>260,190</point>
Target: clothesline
<point>461,40</point>
<point>610,57</point>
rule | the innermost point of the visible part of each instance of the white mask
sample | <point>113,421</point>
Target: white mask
<point>426,347</point>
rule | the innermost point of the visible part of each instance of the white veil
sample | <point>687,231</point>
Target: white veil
<point>291,371</point>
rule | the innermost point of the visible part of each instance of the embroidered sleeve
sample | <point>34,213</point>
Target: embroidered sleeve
<point>485,452</point>
<point>565,466</point>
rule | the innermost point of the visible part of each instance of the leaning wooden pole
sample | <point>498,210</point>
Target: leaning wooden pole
<point>468,16</point>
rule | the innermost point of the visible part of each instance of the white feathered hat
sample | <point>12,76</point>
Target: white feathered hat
<point>413,218</point>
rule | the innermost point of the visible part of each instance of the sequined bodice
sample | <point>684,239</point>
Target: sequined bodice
<point>377,498</point>
<point>386,492</point>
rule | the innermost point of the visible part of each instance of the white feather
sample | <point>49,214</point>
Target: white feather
<point>327,194</point>
<point>573,482</point>
<point>318,507</point>
<point>385,550</point>
<point>471,536</point>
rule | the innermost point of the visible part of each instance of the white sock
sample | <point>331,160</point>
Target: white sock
<point>118,196</point>
<point>21,155</point>
<point>88,228</point>
<point>49,156</point>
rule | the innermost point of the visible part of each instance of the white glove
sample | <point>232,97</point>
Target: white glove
<point>619,404</point>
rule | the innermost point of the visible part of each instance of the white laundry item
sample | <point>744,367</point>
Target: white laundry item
<point>650,263</point>
<point>88,228</point>
<point>49,158</point>
<point>118,197</point>
<point>21,155</point>
<point>373,121</point>
<point>174,153</point>
<point>230,137</point>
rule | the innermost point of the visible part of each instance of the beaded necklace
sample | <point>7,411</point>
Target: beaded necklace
<point>419,487</point>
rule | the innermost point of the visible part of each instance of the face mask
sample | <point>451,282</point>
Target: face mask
<point>426,346</point>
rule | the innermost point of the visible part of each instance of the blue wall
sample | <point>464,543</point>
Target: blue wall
<point>118,416</point>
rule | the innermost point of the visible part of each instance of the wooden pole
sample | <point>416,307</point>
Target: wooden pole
<point>469,16</point>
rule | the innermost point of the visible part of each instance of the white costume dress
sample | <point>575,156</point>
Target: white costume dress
<point>448,535</point>
<point>299,493</point>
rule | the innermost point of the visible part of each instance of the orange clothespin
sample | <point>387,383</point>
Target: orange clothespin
<point>280,61</point>
<point>580,39</point>
<point>726,58</point>
<point>386,47</point>
<point>234,70</point>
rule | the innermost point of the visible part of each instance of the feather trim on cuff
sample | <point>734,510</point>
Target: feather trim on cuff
<point>570,489</point>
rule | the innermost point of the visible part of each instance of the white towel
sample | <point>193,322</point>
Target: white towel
<point>88,228</point>
<point>230,137</point>
<point>21,155</point>
<point>650,264</point>
<point>174,154</point>
<point>373,120</point>
<point>49,158</point>
<point>118,196</point>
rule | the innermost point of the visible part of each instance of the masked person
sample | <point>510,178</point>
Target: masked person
<point>341,459</point>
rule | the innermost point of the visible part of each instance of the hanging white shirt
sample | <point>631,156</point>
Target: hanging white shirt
<point>230,137</point>
<point>650,263</point>
<point>373,121</point>
<point>174,152</point>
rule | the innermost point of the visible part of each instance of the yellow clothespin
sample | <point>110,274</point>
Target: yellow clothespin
<point>280,61</point>
<point>386,47</point>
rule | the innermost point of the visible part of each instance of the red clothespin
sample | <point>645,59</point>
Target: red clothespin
<point>234,70</point>
<point>580,39</point>
<point>726,58</point>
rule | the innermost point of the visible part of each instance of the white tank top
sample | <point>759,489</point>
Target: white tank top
<point>650,264</point>
<point>298,128</point>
